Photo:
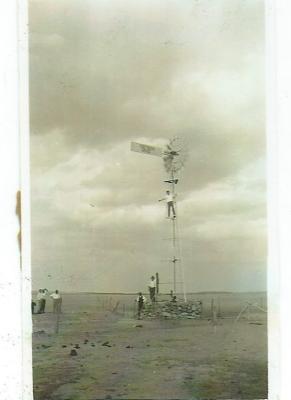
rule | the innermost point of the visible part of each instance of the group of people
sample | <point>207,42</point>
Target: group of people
<point>41,301</point>
<point>141,299</point>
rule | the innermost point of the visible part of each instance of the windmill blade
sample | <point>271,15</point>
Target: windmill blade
<point>168,158</point>
<point>168,163</point>
<point>175,155</point>
<point>146,149</point>
<point>172,142</point>
<point>182,163</point>
<point>169,149</point>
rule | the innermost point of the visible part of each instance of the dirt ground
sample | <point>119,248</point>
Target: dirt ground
<point>148,359</point>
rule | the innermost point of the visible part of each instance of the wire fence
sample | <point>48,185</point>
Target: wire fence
<point>227,305</point>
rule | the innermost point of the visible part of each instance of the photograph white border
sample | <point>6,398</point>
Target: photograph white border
<point>15,286</point>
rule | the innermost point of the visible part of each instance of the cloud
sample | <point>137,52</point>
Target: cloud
<point>126,71</point>
<point>118,226</point>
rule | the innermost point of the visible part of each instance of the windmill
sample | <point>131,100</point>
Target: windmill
<point>174,155</point>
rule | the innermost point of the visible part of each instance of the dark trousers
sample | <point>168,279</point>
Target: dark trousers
<point>57,305</point>
<point>41,306</point>
<point>139,308</point>
<point>152,293</point>
<point>171,207</point>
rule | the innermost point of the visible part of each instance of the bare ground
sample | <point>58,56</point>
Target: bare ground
<point>169,359</point>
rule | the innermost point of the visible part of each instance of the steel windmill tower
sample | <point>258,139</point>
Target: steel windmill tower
<point>174,155</point>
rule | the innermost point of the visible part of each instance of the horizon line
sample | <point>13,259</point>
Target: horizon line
<point>134,293</point>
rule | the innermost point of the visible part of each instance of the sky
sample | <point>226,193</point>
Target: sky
<point>104,73</point>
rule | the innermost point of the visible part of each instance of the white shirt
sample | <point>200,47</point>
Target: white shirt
<point>152,284</point>
<point>40,296</point>
<point>143,298</point>
<point>55,296</point>
<point>169,197</point>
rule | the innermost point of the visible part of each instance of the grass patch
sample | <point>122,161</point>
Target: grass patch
<point>235,379</point>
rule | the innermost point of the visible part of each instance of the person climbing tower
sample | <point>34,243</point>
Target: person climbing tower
<point>170,203</point>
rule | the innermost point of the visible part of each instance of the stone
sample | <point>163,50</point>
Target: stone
<point>39,332</point>
<point>166,314</point>
<point>44,346</point>
<point>170,310</point>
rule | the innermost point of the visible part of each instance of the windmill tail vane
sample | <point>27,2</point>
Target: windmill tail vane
<point>146,149</point>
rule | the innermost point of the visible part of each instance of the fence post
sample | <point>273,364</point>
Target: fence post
<point>219,309</point>
<point>134,309</point>
<point>115,308</point>
<point>248,313</point>
<point>214,316</point>
<point>57,322</point>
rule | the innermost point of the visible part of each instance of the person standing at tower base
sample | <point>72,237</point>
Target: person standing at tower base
<point>140,304</point>
<point>152,289</point>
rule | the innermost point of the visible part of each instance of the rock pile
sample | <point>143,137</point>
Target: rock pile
<point>174,310</point>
